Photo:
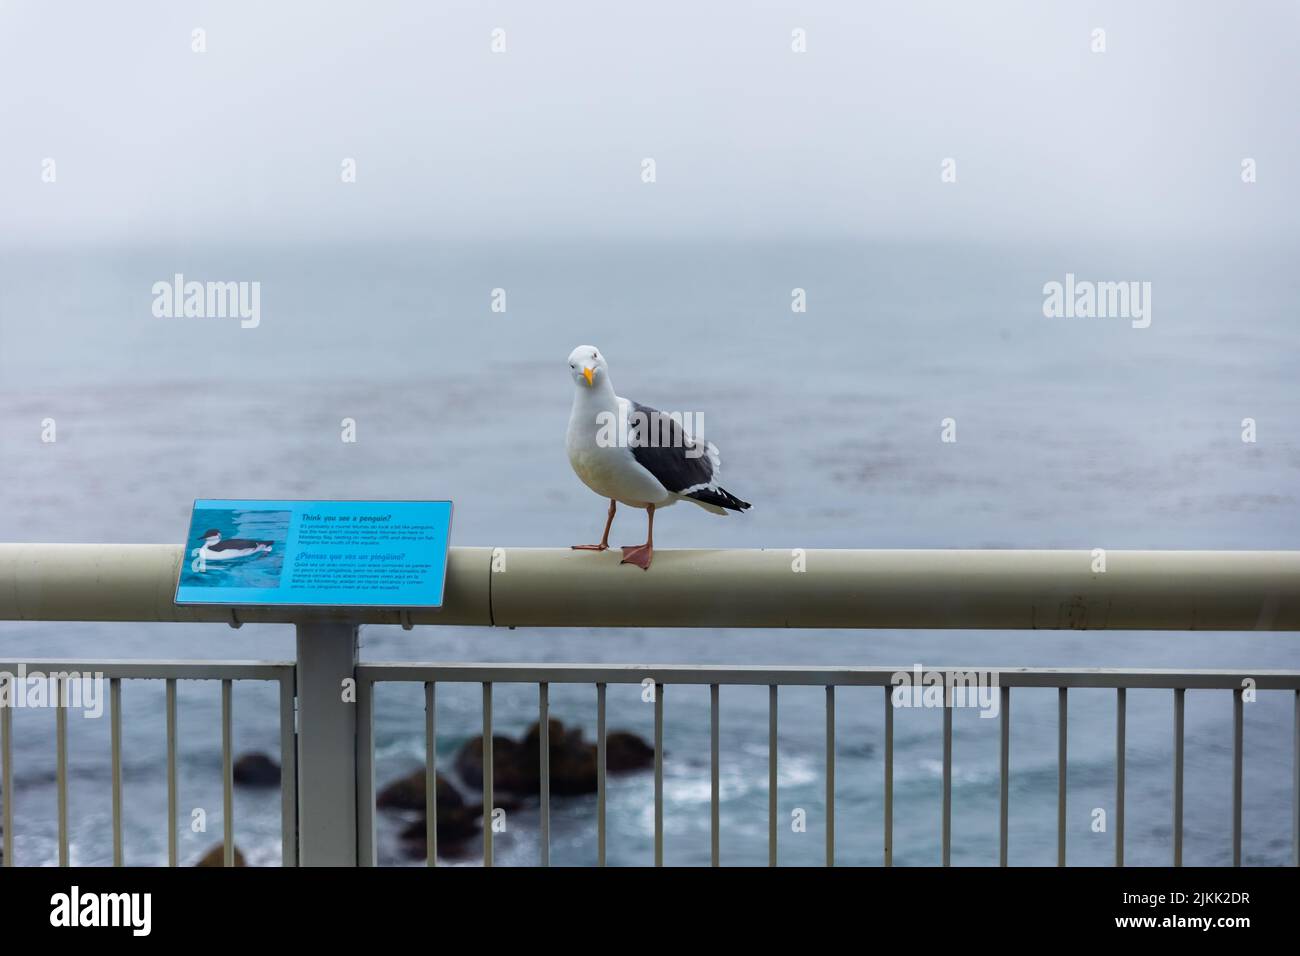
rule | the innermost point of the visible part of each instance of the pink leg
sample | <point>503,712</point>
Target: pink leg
<point>642,554</point>
<point>604,539</point>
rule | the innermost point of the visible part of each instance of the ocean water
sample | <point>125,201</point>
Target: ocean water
<point>1071,433</point>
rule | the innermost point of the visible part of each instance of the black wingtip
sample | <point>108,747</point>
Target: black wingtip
<point>722,498</point>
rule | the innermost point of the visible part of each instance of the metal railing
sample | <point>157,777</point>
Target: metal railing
<point>662,676</point>
<point>327,755</point>
<point>114,672</point>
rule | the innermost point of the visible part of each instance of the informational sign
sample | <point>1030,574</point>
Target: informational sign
<point>311,553</point>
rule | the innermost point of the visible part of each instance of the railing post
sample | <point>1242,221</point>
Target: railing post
<point>327,735</point>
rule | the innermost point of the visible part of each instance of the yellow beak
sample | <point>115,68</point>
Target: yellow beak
<point>587,373</point>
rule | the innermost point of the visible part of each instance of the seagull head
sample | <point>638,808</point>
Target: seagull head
<point>586,365</point>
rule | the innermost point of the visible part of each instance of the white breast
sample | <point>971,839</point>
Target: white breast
<point>606,466</point>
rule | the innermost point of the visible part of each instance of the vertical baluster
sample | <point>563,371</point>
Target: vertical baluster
<point>947,775</point>
<point>7,773</point>
<point>714,823</point>
<point>172,838</point>
<point>1004,775</point>
<point>115,736</point>
<point>1238,716</point>
<point>771,775</point>
<point>1120,716</point>
<point>600,774</point>
<point>227,775</point>
<point>889,777</point>
<point>1062,735</point>
<point>830,775</point>
<point>659,774</point>
<point>430,774</point>
<point>1180,695</point>
<point>61,756</point>
<point>488,771</point>
<point>544,758</point>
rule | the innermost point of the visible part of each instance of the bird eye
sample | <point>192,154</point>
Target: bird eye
<point>594,355</point>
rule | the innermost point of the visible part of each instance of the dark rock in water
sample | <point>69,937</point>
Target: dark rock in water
<point>572,763</point>
<point>216,857</point>
<point>459,823</point>
<point>517,764</point>
<point>256,770</point>
<point>407,793</point>
<point>516,774</point>
<point>510,765</point>
<point>626,751</point>
<point>457,827</point>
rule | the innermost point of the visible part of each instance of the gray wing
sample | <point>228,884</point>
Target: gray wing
<point>661,446</point>
<point>681,463</point>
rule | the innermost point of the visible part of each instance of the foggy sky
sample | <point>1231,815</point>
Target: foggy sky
<point>155,142</point>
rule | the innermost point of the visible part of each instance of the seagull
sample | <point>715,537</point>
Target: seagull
<point>215,549</point>
<point>634,454</point>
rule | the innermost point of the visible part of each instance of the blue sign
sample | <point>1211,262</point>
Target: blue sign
<point>311,553</point>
